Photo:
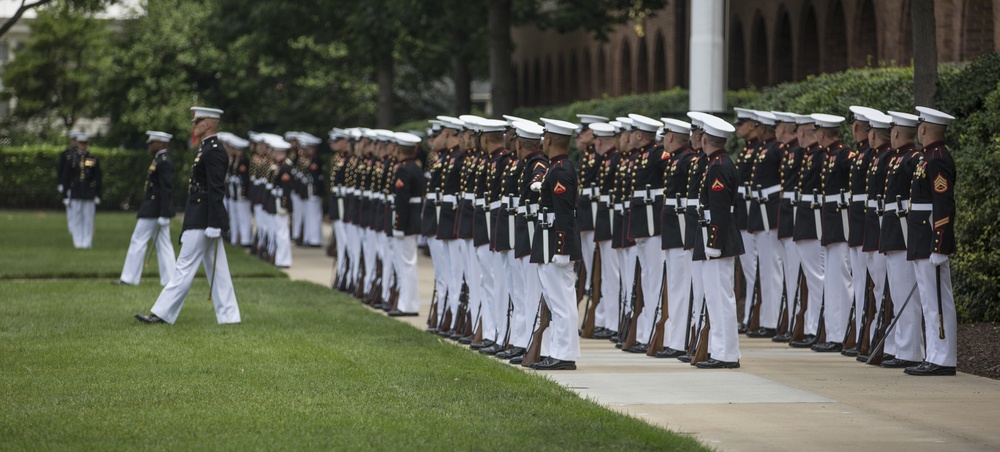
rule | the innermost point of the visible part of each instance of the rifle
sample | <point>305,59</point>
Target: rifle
<point>331,248</point>
<point>883,319</point>
<point>594,298</point>
<point>802,297</point>
<point>581,282</point>
<point>864,334</point>
<point>462,317</point>
<point>688,332</point>
<point>662,311</point>
<point>432,317</point>
<point>701,349</point>
<point>533,352</point>
<point>359,284</point>
<point>393,303</point>
<point>510,312</point>
<point>753,323</point>
<point>878,353</point>
<point>637,306</point>
<point>783,323</point>
<point>850,335</point>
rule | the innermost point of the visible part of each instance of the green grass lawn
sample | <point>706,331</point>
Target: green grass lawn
<point>37,244</point>
<point>307,369</point>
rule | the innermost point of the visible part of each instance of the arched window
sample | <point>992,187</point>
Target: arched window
<point>835,46</point>
<point>737,56</point>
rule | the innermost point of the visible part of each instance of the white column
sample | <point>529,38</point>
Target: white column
<point>708,68</point>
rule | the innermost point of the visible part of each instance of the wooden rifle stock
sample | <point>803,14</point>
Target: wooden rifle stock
<point>701,351</point>
<point>637,306</point>
<point>581,282</point>
<point>851,335</point>
<point>865,335</point>
<point>359,285</point>
<point>432,316</point>
<point>595,296</point>
<point>783,310</point>
<point>656,338</point>
<point>532,354</point>
<point>331,248</point>
<point>753,323</point>
<point>798,329</point>
<point>885,316</point>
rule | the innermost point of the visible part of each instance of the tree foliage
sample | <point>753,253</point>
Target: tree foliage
<point>59,74</point>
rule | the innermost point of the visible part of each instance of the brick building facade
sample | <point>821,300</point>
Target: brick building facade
<point>768,42</point>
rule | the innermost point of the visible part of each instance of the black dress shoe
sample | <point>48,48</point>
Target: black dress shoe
<point>604,333</point>
<point>512,353</point>
<point>402,314</point>
<point>119,283</point>
<point>742,329</point>
<point>481,345</point>
<point>618,345</point>
<point>491,350</point>
<point>444,333</point>
<point>456,336</point>
<point>551,363</point>
<point>467,340</point>
<point>614,337</point>
<point>716,364</point>
<point>828,347</point>
<point>517,360</point>
<point>926,369</point>
<point>862,358</point>
<point>152,318</point>
<point>684,358</point>
<point>808,341</point>
<point>897,363</point>
<point>850,352</point>
<point>669,353</point>
<point>762,333</point>
<point>638,348</point>
<point>783,337</point>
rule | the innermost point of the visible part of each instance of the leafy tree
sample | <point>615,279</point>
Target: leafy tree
<point>84,5</point>
<point>58,75</point>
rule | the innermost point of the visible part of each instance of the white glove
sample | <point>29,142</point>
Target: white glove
<point>938,259</point>
<point>66,202</point>
<point>97,200</point>
<point>535,186</point>
<point>163,221</point>
<point>398,234</point>
<point>59,187</point>
<point>560,259</point>
<point>213,233</point>
<point>712,253</point>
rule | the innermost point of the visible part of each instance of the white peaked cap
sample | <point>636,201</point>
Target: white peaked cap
<point>202,112</point>
<point>559,127</point>
<point>717,127</point>
<point>153,135</point>
<point>904,119</point>
<point>767,118</point>
<point>644,123</point>
<point>492,125</point>
<point>827,121</point>
<point>879,120</point>
<point>935,116</point>
<point>603,129</point>
<point>676,126</point>
<point>528,130</point>
<point>862,113</point>
<point>406,139</point>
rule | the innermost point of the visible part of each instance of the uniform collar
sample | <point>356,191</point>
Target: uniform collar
<point>864,144</point>
<point>835,145</point>
<point>534,155</point>
<point>497,151</point>
<point>935,144</point>
<point>205,140</point>
<point>908,147</point>
<point>558,158</point>
<point>407,160</point>
<point>161,152</point>
<point>717,153</point>
<point>885,147</point>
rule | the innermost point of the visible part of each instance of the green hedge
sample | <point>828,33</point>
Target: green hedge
<point>28,178</point>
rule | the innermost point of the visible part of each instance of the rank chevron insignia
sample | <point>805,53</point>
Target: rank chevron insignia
<point>559,188</point>
<point>718,185</point>
<point>399,183</point>
<point>940,184</point>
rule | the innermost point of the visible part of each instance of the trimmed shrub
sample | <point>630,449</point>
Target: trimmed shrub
<point>28,179</point>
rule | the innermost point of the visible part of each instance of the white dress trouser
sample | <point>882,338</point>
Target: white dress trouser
<point>790,262</point>
<point>244,223</point>
<point>943,352</point>
<point>145,229</point>
<point>453,274</point>
<point>626,259</point>
<point>532,295</point>
<point>486,289</point>
<point>82,211</point>
<point>406,273</point>
<point>610,288</point>
<point>296,216</point>
<point>651,258</point>
<point>813,258</point>
<point>312,221</point>
<point>370,254</point>
<point>473,279</point>
<point>70,219</point>
<point>282,243</point>
<point>501,294</point>
<point>515,282</point>
<point>340,234</point>
<point>678,297</point>
<point>561,338</point>
<point>354,237</point>
<point>587,245</point>
<point>388,264</point>
<point>439,258</point>
<point>909,344</point>
<point>838,293</point>
<point>723,341</point>
<point>877,263</point>
<point>698,291</point>
<point>195,249</point>
<point>748,263</point>
<point>770,262</point>
<point>859,282</point>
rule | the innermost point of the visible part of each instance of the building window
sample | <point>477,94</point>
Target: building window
<point>3,53</point>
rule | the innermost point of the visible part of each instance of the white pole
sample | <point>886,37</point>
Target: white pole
<point>708,69</point>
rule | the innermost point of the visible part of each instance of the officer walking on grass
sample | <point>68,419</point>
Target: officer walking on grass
<point>205,219</point>
<point>155,212</point>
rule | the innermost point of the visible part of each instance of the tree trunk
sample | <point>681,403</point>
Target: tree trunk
<point>386,115</point>
<point>924,52</point>
<point>501,70</point>
<point>17,15</point>
<point>463,84</point>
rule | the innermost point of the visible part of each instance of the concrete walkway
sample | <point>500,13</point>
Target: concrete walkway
<point>780,399</point>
